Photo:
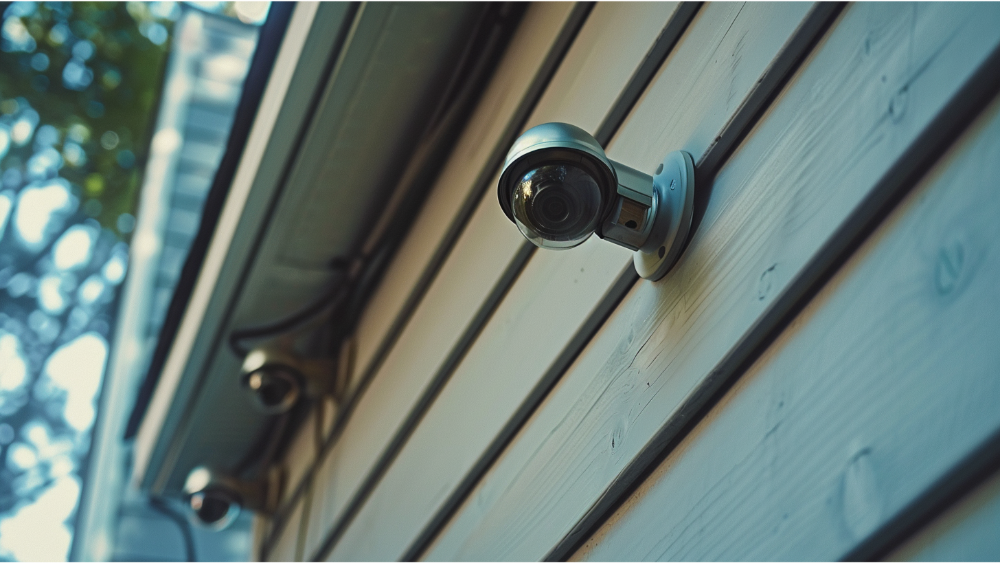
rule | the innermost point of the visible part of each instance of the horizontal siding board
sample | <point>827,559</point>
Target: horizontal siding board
<point>881,385</point>
<point>483,252</point>
<point>582,92</point>
<point>816,154</point>
<point>969,531</point>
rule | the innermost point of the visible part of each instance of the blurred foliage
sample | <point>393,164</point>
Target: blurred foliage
<point>93,71</point>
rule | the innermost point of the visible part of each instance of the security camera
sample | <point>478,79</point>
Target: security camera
<point>216,499</point>
<point>276,379</point>
<point>559,187</point>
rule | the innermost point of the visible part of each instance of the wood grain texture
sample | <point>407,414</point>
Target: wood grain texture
<point>969,531</point>
<point>878,387</point>
<point>475,262</point>
<point>498,104</point>
<point>881,74</point>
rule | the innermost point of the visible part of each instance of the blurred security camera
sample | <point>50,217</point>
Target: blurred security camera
<point>216,499</point>
<point>559,187</point>
<point>277,379</point>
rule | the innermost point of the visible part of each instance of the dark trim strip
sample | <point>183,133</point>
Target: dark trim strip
<point>980,465</point>
<point>626,100</point>
<point>774,79</point>
<point>908,170</point>
<point>760,98</point>
<point>271,35</point>
<point>799,46</point>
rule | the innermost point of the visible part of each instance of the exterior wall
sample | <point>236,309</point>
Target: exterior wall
<point>801,386</point>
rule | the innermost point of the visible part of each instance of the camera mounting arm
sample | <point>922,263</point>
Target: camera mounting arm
<point>652,215</point>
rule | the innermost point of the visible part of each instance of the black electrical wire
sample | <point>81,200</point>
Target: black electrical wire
<point>275,443</point>
<point>326,302</point>
<point>268,442</point>
<point>183,524</point>
<point>356,291</point>
<point>476,62</point>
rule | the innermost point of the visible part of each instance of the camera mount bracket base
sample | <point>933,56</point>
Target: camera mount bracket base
<point>673,209</point>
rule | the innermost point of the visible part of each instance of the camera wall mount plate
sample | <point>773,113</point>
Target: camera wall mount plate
<point>674,210</point>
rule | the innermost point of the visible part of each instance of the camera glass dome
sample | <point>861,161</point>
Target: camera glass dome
<point>275,388</point>
<point>556,205</point>
<point>214,508</point>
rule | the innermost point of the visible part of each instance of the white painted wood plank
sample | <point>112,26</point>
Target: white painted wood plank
<point>878,387</point>
<point>558,290</point>
<point>320,513</point>
<point>301,453</point>
<point>815,154</point>
<point>606,52</point>
<point>322,477</point>
<point>285,547</point>
<point>969,531</point>
<point>476,261</point>
<point>534,39</point>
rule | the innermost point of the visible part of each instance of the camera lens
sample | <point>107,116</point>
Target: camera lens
<point>552,208</point>
<point>274,388</point>
<point>557,205</point>
<point>213,508</point>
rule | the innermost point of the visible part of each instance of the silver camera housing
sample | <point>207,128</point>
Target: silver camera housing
<point>215,499</point>
<point>277,379</point>
<point>553,173</point>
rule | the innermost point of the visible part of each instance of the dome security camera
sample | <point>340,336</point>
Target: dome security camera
<point>216,499</point>
<point>559,187</point>
<point>277,379</point>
